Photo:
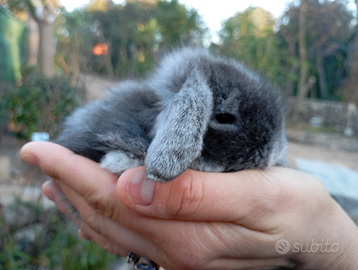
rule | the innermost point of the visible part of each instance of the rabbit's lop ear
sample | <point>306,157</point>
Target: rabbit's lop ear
<point>179,129</point>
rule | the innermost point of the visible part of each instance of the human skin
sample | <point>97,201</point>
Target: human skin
<point>200,220</point>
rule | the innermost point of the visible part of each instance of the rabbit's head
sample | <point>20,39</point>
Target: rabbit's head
<point>217,116</point>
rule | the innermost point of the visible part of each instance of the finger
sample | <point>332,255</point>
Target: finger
<point>144,232</point>
<point>91,182</point>
<point>54,192</point>
<point>242,196</point>
<point>108,228</point>
<point>86,233</point>
<point>147,237</point>
<point>49,189</point>
<point>83,235</point>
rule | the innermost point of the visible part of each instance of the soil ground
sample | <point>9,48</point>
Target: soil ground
<point>339,157</point>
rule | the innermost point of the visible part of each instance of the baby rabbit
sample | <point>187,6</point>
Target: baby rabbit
<point>196,111</point>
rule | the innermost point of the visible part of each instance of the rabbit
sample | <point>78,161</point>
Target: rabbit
<point>195,111</point>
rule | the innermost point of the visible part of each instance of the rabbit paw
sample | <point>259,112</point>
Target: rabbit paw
<point>164,165</point>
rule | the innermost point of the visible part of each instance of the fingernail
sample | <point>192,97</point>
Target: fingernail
<point>83,235</point>
<point>32,160</point>
<point>51,196</point>
<point>147,191</point>
<point>47,189</point>
<point>141,191</point>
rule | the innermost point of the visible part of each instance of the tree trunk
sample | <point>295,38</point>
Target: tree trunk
<point>122,50</point>
<point>351,84</point>
<point>133,54</point>
<point>75,67</point>
<point>322,77</point>
<point>289,82</point>
<point>46,50</point>
<point>33,42</point>
<point>292,64</point>
<point>303,85</point>
<point>108,61</point>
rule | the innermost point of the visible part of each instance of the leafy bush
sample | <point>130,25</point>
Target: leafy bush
<point>39,104</point>
<point>55,243</point>
<point>72,253</point>
<point>11,257</point>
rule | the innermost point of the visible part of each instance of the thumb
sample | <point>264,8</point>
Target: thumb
<point>201,195</point>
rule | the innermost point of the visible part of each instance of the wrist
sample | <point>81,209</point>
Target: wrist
<point>339,248</point>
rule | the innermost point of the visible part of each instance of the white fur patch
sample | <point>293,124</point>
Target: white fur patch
<point>203,166</point>
<point>278,156</point>
<point>117,162</point>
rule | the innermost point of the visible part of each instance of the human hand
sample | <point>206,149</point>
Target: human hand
<point>201,220</point>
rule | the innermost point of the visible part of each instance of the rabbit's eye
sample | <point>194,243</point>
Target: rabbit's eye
<point>225,118</point>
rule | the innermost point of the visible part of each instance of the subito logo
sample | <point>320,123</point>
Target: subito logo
<point>282,246</point>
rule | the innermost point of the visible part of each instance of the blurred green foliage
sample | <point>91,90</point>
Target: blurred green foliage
<point>249,37</point>
<point>135,34</point>
<point>55,243</point>
<point>12,258</point>
<point>72,253</point>
<point>271,46</point>
<point>13,36</point>
<point>39,104</point>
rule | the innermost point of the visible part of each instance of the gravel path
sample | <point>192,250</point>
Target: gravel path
<point>298,150</point>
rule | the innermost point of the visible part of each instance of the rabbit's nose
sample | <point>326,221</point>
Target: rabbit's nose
<point>225,118</point>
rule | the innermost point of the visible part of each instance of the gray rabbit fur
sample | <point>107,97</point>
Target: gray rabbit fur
<point>196,111</point>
